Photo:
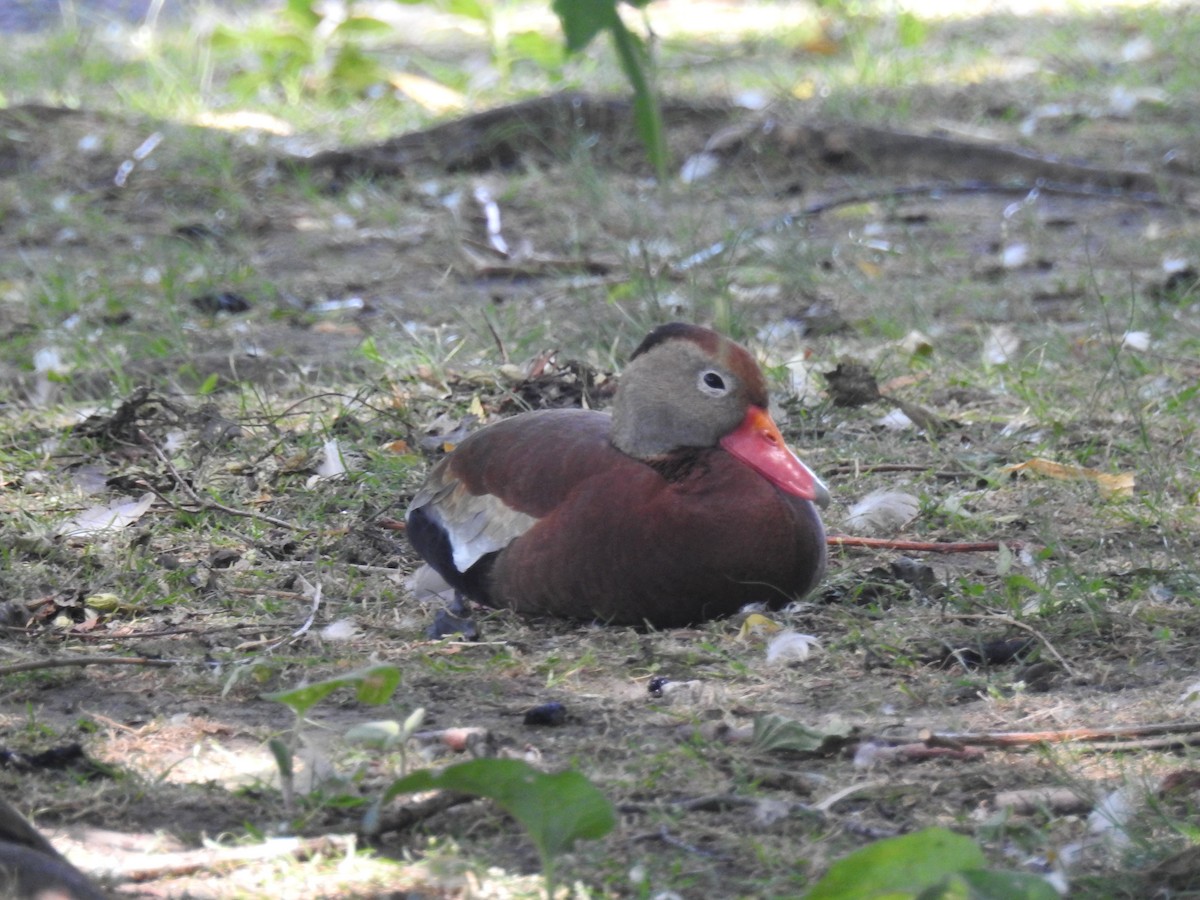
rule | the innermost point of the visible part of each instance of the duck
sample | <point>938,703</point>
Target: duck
<point>683,505</point>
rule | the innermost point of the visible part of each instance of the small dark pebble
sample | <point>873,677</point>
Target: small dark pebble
<point>656,685</point>
<point>224,302</point>
<point>549,714</point>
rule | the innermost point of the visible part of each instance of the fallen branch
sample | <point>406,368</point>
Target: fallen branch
<point>67,661</point>
<point>1065,735</point>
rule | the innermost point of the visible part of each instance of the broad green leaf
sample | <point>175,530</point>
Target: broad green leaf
<point>377,684</point>
<point>353,71</point>
<point>912,30</point>
<point>899,867</point>
<point>374,685</point>
<point>357,25</point>
<point>302,14</point>
<point>582,20</point>
<point>282,755</point>
<point>381,734</point>
<point>986,884</point>
<point>477,10</point>
<point>546,53</point>
<point>556,810</point>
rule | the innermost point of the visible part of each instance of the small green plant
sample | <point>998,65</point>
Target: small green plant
<point>555,809</point>
<point>374,686</point>
<point>934,864</point>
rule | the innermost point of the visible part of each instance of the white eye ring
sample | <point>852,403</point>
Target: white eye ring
<point>712,383</point>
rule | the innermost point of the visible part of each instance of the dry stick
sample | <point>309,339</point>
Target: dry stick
<point>1026,738</point>
<point>64,662</point>
<point>846,540</point>
<point>852,469</point>
<point>209,503</point>
<point>791,220</point>
<point>406,817</point>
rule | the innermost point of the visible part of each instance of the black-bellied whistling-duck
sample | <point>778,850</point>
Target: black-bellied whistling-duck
<point>683,505</point>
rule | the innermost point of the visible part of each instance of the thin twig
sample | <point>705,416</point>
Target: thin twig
<point>1023,626</point>
<point>67,661</point>
<point>847,540</point>
<point>208,502</point>
<point>1065,735</point>
<point>856,469</point>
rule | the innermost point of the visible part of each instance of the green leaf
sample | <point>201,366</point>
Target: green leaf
<point>986,884</point>
<point>476,10</point>
<point>556,810</point>
<point>302,14</point>
<point>353,71</point>
<point>582,20</point>
<point>381,734</point>
<point>911,29</point>
<point>210,384</point>
<point>370,351</point>
<point>374,685</point>
<point>283,756</point>
<point>542,51</point>
<point>358,25</point>
<point>899,867</point>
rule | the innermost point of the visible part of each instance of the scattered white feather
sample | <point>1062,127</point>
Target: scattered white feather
<point>1139,49</point>
<point>1000,345</point>
<point>107,517</point>
<point>1013,256</point>
<point>896,420</point>
<point>871,753</point>
<point>768,811</point>
<point>427,585</point>
<point>341,630</point>
<point>699,167</point>
<point>1112,815</point>
<point>1136,340</point>
<point>332,464</point>
<point>788,646</point>
<point>881,512</point>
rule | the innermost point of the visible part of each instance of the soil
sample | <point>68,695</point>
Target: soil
<point>268,305</point>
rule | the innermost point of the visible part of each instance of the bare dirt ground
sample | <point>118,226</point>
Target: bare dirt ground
<point>271,307</point>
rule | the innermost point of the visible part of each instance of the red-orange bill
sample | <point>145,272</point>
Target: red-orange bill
<point>758,443</point>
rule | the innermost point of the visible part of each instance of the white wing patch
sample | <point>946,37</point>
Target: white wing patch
<point>476,524</point>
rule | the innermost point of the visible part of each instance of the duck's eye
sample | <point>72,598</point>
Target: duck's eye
<point>712,383</point>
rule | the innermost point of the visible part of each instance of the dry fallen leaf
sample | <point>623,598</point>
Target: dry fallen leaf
<point>757,626</point>
<point>1118,485</point>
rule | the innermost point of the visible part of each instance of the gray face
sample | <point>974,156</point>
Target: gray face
<point>676,395</point>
